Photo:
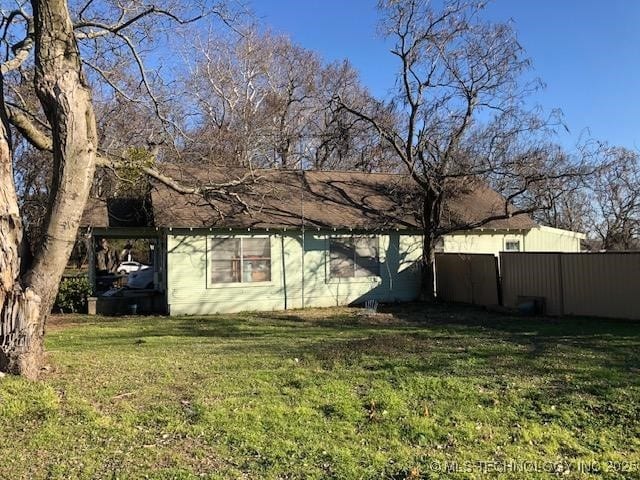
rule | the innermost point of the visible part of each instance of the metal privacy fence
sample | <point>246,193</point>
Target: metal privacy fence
<point>467,278</point>
<point>589,284</point>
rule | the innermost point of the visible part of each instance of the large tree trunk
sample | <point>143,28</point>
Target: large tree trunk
<point>431,212</point>
<point>26,300</point>
<point>19,308</point>
<point>428,268</point>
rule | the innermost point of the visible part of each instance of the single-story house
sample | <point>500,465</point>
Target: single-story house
<point>292,239</point>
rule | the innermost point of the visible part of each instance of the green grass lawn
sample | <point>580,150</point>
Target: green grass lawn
<point>328,394</point>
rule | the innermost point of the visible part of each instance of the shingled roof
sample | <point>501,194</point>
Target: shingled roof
<point>291,198</point>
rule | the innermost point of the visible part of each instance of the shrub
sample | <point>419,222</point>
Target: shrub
<point>72,294</point>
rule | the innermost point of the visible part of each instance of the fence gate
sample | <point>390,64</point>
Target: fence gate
<point>467,278</point>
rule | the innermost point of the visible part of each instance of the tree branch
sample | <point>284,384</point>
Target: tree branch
<point>28,130</point>
<point>22,49</point>
<point>105,29</point>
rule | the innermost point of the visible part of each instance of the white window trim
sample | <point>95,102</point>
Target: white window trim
<point>513,240</point>
<point>348,280</point>
<point>211,284</point>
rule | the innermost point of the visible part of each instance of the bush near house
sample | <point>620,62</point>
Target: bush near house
<point>72,295</point>
<point>413,393</point>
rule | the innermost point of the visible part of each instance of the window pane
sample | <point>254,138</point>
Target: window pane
<point>367,264</point>
<point>367,267</point>
<point>225,260</point>
<point>257,271</point>
<point>341,258</point>
<point>367,246</point>
<point>256,260</point>
<point>225,271</point>
<point>341,268</point>
<point>225,248</point>
<point>512,246</point>
<point>256,248</point>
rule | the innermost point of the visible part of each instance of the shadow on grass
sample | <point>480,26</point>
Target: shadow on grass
<point>435,340</point>
<point>566,354</point>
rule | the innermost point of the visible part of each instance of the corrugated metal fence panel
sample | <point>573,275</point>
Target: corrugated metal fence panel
<point>532,275</point>
<point>602,284</point>
<point>593,284</point>
<point>453,277</point>
<point>484,279</point>
<point>467,278</point>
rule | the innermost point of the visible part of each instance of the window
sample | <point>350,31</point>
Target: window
<point>355,256</point>
<point>240,260</point>
<point>512,245</point>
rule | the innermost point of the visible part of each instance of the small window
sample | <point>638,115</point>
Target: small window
<point>240,260</point>
<point>352,257</point>
<point>512,245</point>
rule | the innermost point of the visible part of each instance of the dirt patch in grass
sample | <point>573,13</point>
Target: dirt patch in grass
<point>57,321</point>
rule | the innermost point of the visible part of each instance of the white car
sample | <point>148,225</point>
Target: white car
<point>128,267</point>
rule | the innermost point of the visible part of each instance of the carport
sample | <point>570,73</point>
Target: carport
<point>117,221</point>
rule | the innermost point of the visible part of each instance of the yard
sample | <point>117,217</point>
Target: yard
<point>407,393</point>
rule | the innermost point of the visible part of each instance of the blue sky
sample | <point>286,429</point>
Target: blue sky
<point>587,52</point>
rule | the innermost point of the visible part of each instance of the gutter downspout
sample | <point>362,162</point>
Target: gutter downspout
<point>284,271</point>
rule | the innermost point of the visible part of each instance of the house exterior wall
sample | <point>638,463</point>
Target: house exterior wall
<point>486,241</point>
<point>189,292</point>
<point>547,239</point>
<point>539,239</point>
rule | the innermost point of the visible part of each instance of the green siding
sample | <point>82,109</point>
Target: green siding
<point>189,294</point>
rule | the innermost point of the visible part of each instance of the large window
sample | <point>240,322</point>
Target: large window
<point>355,256</point>
<point>239,260</point>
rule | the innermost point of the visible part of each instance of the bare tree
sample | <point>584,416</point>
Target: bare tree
<point>230,83</point>
<point>459,117</point>
<point>343,141</point>
<point>603,201</point>
<point>266,102</point>
<point>27,291</point>
<point>568,209</point>
<point>615,200</point>
<point>47,100</point>
<point>565,200</point>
